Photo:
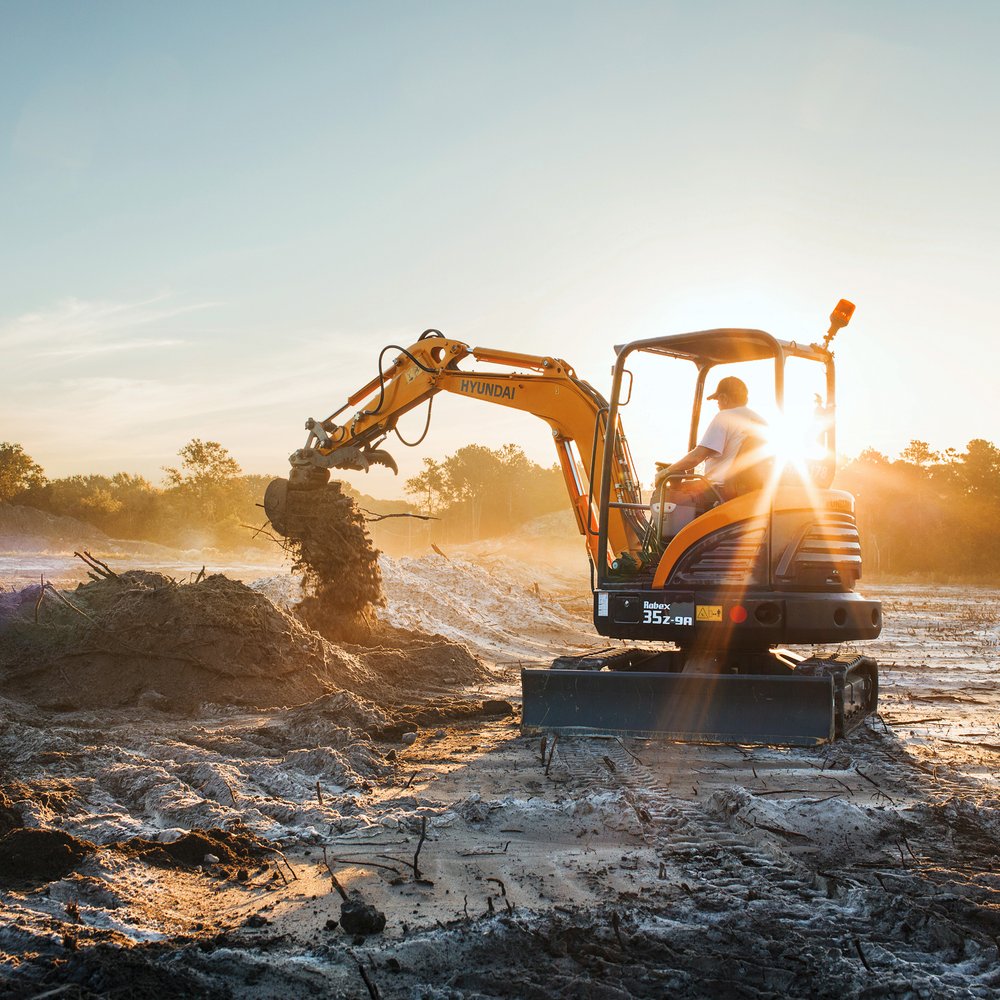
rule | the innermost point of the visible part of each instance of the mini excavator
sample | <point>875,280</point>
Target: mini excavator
<point>707,585</point>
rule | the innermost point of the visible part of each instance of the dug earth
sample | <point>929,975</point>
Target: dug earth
<point>203,796</point>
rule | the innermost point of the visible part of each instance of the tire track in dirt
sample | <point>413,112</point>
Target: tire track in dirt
<point>858,924</point>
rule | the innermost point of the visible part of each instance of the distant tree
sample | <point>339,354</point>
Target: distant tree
<point>204,490</point>
<point>471,477</point>
<point>929,513</point>
<point>102,501</point>
<point>978,470</point>
<point>244,513</point>
<point>122,505</point>
<point>203,463</point>
<point>429,485</point>
<point>139,514</point>
<point>482,491</point>
<point>870,456</point>
<point>18,471</point>
<point>919,453</point>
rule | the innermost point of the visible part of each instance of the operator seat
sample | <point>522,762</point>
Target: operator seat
<point>752,467</point>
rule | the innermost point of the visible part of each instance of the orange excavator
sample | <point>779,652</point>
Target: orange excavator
<point>711,582</point>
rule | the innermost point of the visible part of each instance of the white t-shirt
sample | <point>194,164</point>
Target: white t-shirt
<point>724,435</point>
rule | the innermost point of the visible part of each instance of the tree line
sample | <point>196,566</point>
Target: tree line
<point>479,491</point>
<point>928,513</point>
<point>923,513</point>
<point>206,498</point>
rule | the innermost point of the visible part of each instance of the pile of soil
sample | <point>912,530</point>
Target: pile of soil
<point>30,855</point>
<point>415,661</point>
<point>231,847</point>
<point>27,529</point>
<point>142,639</point>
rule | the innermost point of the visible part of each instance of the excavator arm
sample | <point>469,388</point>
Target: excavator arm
<point>544,386</point>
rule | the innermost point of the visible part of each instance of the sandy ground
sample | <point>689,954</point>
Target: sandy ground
<point>508,868</point>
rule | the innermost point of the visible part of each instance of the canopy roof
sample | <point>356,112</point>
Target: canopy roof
<point>724,346</point>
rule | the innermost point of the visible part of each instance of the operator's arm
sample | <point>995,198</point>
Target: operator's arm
<point>690,461</point>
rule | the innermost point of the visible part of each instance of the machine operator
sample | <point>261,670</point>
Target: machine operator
<point>721,444</point>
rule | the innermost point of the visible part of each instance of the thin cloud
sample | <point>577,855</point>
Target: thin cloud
<point>77,328</point>
<point>135,397</point>
<point>131,345</point>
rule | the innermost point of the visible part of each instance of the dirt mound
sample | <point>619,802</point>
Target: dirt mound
<point>27,529</point>
<point>140,638</point>
<point>40,855</point>
<point>415,661</point>
<point>230,847</point>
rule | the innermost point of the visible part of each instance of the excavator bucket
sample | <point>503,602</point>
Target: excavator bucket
<point>820,700</point>
<point>276,505</point>
<point>292,509</point>
<point>286,505</point>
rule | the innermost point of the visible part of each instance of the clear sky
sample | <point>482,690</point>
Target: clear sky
<point>213,216</point>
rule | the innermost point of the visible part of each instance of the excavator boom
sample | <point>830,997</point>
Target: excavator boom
<point>544,386</point>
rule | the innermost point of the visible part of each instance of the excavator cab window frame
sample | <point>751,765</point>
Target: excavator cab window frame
<point>628,398</point>
<point>707,350</point>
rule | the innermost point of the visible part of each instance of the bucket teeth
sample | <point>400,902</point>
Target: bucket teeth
<point>379,457</point>
<point>360,460</point>
<point>347,458</point>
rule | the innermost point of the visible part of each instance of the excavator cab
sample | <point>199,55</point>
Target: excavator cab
<point>761,462</point>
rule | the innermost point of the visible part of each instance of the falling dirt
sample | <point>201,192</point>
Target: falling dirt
<point>331,547</point>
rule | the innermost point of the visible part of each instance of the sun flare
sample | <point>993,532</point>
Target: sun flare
<point>795,442</point>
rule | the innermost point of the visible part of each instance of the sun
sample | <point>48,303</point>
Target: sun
<point>795,442</point>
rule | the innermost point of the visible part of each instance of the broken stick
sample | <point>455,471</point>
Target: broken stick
<point>333,878</point>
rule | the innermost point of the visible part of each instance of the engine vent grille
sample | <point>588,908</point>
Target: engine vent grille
<point>827,551</point>
<point>733,558</point>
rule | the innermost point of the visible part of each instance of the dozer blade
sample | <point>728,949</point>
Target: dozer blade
<point>792,710</point>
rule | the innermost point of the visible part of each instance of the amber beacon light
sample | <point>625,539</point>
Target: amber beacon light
<point>839,318</point>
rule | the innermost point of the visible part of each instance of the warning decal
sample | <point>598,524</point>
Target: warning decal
<point>709,613</point>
